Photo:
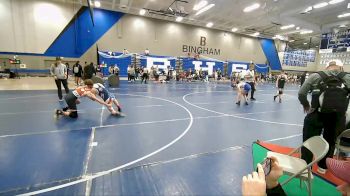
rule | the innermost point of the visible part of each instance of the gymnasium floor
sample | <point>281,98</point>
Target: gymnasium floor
<point>177,139</point>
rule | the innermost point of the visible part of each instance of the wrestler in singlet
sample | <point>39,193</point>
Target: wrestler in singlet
<point>103,92</point>
<point>72,97</point>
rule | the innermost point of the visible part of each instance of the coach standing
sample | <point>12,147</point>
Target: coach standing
<point>330,99</point>
<point>59,72</point>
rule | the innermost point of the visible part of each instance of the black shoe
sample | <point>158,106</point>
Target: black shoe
<point>253,99</point>
<point>119,109</point>
<point>246,103</point>
<point>238,103</point>
<point>274,98</point>
<point>57,113</point>
<point>280,101</point>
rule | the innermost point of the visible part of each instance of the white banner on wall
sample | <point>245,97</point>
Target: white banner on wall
<point>165,63</point>
<point>209,66</point>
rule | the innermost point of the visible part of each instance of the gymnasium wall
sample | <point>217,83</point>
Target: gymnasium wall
<point>137,33</point>
<point>30,26</point>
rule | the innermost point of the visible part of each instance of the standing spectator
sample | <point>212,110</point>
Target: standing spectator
<point>68,69</point>
<point>144,76</point>
<point>59,72</point>
<point>125,51</point>
<point>147,52</point>
<point>89,71</point>
<point>78,71</point>
<point>128,71</point>
<point>328,107</point>
<point>302,79</point>
<point>132,73</point>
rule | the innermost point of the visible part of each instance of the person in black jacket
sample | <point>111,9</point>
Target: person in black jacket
<point>78,71</point>
<point>89,71</point>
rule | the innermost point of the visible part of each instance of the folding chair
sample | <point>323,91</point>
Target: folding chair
<point>296,167</point>
<point>339,147</point>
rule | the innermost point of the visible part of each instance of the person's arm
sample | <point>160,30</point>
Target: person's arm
<point>278,78</point>
<point>65,68</point>
<point>52,72</point>
<point>304,90</point>
<point>93,97</point>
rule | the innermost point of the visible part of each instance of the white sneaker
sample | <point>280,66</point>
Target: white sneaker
<point>321,170</point>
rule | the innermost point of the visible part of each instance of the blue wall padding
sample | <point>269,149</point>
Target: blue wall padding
<point>80,35</point>
<point>270,51</point>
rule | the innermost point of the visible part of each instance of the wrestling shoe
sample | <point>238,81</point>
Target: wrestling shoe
<point>238,103</point>
<point>246,103</point>
<point>274,98</point>
<point>253,99</point>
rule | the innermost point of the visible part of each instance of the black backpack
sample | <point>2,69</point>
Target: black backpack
<point>335,93</point>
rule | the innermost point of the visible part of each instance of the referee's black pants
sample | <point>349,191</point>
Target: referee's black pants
<point>252,84</point>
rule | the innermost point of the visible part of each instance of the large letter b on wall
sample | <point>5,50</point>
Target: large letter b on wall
<point>203,41</point>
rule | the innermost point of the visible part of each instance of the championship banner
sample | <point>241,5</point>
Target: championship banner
<point>108,59</point>
<point>206,65</point>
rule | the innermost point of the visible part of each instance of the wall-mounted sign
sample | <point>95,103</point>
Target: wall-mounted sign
<point>201,49</point>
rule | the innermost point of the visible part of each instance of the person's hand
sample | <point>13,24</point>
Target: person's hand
<point>254,184</point>
<point>77,101</point>
<point>55,77</point>
<point>275,173</point>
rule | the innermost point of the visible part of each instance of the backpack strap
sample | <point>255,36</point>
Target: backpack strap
<point>323,75</point>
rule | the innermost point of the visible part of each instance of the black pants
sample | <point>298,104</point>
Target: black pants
<point>59,87</point>
<point>332,124</point>
<point>252,84</point>
<point>144,78</point>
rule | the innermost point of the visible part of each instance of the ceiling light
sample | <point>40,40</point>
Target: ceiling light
<point>200,5</point>
<point>320,5</point>
<point>305,43</point>
<point>171,9</point>
<point>287,26</point>
<point>348,5</point>
<point>291,40</point>
<point>142,12</point>
<point>344,15</point>
<point>335,1</point>
<point>343,26</point>
<point>210,24</point>
<point>306,32</point>
<point>251,7</point>
<point>234,29</point>
<point>274,37</point>
<point>97,4</point>
<point>179,19</point>
<point>256,34</point>
<point>308,9</point>
<point>297,28</point>
<point>206,8</point>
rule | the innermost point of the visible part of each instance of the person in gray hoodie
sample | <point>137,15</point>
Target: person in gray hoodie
<point>59,72</point>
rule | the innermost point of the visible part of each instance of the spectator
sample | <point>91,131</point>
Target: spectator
<point>144,76</point>
<point>125,51</point>
<point>59,72</point>
<point>89,71</point>
<point>328,108</point>
<point>147,52</point>
<point>259,184</point>
<point>78,71</point>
